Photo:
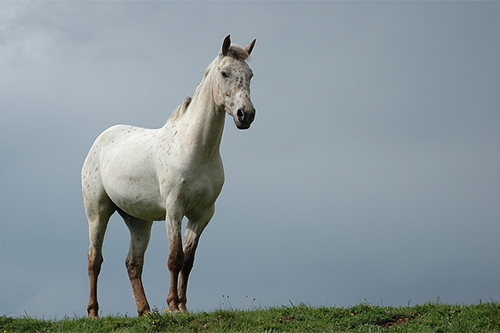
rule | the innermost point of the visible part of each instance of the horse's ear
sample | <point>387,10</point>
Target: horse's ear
<point>225,45</point>
<point>250,46</point>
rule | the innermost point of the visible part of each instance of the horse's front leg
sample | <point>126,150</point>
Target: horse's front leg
<point>175,259</point>
<point>191,237</point>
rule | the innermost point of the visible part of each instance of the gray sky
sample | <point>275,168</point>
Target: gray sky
<point>370,173</point>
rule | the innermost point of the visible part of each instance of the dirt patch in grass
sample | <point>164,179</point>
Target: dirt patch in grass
<point>287,319</point>
<point>393,322</point>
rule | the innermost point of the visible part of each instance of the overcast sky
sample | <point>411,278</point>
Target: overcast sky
<point>371,172</point>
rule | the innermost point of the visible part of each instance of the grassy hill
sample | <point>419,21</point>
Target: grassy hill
<point>482,317</point>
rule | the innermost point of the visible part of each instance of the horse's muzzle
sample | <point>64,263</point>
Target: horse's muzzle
<point>244,118</point>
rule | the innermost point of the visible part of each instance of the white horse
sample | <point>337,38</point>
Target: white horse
<point>165,174</point>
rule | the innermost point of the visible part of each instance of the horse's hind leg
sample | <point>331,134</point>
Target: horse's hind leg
<point>98,214</point>
<point>140,232</point>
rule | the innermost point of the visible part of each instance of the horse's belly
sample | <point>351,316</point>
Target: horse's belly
<point>138,201</point>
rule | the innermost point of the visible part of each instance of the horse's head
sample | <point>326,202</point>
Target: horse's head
<point>232,77</point>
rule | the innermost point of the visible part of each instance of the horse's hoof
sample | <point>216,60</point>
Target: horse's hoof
<point>93,315</point>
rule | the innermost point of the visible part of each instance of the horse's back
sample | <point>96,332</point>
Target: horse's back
<point>118,144</point>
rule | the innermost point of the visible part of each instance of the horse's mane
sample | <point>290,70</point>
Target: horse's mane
<point>181,108</point>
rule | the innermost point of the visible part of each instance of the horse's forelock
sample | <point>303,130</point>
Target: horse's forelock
<point>237,52</point>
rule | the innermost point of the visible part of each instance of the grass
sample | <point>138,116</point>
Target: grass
<point>431,317</point>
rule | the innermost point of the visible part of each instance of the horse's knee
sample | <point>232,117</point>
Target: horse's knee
<point>95,261</point>
<point>175,258</point>
<point>134,268</point>
<point>175,261</point>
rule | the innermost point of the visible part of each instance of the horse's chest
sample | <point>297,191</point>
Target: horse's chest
<point>195,188</point>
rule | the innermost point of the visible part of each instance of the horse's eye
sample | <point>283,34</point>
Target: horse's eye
<point>224,74</point>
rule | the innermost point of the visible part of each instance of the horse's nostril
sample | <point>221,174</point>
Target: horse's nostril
<point>240,114</point>
<point>252,115</point>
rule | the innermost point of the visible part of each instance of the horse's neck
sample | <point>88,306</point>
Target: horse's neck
<point>201,124</point>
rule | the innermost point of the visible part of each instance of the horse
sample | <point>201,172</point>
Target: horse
<point>166,174</point>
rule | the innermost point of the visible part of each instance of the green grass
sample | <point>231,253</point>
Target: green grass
<point>482,317</point>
